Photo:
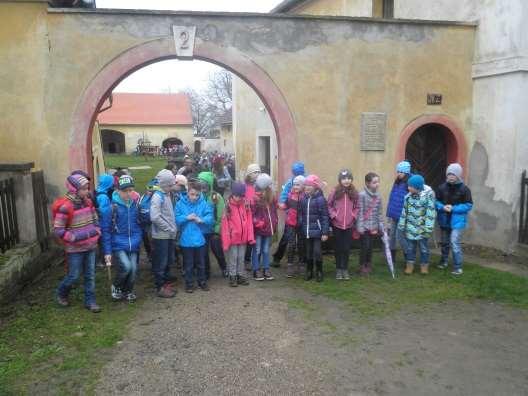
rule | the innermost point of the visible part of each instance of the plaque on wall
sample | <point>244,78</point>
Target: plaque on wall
<point>184,41</point>
<point>373,131</point>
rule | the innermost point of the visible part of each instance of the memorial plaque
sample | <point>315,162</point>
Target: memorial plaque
<point>434,99</point>
<point>373,131</point>
<point>184,41</point>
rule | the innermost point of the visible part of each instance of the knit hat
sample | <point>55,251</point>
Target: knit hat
<point>263,181</point>
<point>313,181</point>
<point>298,168</point>
<point>299,180</point>
<point>238,189</point>
<point>151,185</point>
<point>455,169</point>
<point>344,174</point>
<point>181,180</point>
<point>82,173</point>
<point>417,182</point>
<point>125,181</point>
<point>75,182</point>
<point>404,167</point>
<point>166,178</point>
<point>252,168</point>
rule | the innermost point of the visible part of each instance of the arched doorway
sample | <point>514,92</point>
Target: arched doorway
<point>169,142</point>
<point>153,51</point>
<point>113,142</point>
<point>197,146</point>
<point>430,143</point>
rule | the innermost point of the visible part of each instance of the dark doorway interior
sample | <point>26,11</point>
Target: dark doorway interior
<point>172,142</point>
<point>197,146</point>
<point>427,152</point>
<point>264,147</point>
<point>113,141</point>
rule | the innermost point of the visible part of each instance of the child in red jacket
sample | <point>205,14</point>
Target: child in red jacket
<point>236,230</point>
<point>291,230</point>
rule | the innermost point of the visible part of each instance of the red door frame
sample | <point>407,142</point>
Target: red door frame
<point>80,150</point>
<point>456,141</point>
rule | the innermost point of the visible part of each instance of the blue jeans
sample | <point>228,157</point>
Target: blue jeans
<point>261,253</point>
<point>451,238</point>
<point>126,271</point>
<point>77,262</point>
<point>194,257</point>
<point>396,237</point>
<point>412,244</point>
<point>162,259</point>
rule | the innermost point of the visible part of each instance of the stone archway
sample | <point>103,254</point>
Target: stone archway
<point>161,49</point>
<point>452,136</point>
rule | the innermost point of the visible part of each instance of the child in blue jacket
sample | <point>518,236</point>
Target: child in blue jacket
<point>122,236</point>
<point>194,216</point>
<point>453,203</point>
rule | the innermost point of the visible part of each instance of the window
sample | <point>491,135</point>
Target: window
<point>388,9</point>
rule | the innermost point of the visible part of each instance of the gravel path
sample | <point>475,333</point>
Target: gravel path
<point>249,341</point>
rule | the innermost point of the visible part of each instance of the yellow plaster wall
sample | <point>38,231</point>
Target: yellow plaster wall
<point>356,8</point>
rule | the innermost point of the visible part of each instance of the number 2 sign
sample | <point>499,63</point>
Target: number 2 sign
<point>184,40</point>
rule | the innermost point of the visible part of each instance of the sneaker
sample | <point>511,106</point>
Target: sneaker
<point>94,308</point>
<point>131,297</point>
<point>62,301</point>
<point>204,287</point>
<point>346,275</point>
<point>457,272</point>
<point>267,275</point>
<point>290,270</point>
<point>233,281</point>
<point>258,276</point>
<point>189,289</point>
<point>442,265</point>
<point>225,274</point>
<point>116,292</point>
<point>241,280</point>
<point>166,292</point>
<point>339,274</point>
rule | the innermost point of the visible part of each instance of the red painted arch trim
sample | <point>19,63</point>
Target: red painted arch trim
<point>153,51</point>
<point>456,141</point>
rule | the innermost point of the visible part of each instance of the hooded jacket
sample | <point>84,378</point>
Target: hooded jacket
<point>343,211</point>
<point>459,196</point>
<point>369,215</point>
<point>237,224</point>
<point>397,195</point>
<point>102,197</point>
<point>312,215</point>
<point>120,225</point>
<point>216,201</point>
<point>265,217</point>
<point>191,232</point>
<point>162,216</point>
<point>418,215</point>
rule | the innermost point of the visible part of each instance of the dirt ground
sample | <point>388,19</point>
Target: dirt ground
<point>272,338</point>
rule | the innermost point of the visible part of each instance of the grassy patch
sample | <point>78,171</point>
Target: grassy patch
<point>45,349</point>
<point>141,176</point>
<point>379,294</point>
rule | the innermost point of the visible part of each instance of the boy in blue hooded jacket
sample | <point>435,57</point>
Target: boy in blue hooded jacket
<point>122,236</point>
<point>194,216</point>
<point>453,203</point>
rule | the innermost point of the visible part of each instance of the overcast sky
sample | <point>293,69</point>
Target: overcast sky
<point>175,75</point>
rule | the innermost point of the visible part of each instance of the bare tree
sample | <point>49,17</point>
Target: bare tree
<point>220,90</point>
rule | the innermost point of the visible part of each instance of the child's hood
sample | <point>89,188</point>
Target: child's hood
<point>207,177</point>
<point>106,182</point>
<point>116,198</point>
<point>184,199</point>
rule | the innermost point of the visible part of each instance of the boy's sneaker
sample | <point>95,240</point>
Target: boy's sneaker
<point>116,292</point>
<point>204,287</point>
<point>457,272</point>
<point>258,276</point>
<point>62,301</point>
<point>346,275</point>
<point>189,289</point>
<point>339,274</point>
<point>93,307</point>
<point>233,281</point>
<point>166,292</point>
<point>441,265</point>
<point>131,297</point>
<point>241,280</point>
<point>267,275</point>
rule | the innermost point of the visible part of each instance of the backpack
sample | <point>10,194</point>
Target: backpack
<point>96,202</point>
<point>144,208</point>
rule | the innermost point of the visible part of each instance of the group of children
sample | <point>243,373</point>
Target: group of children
<point>187,217</point>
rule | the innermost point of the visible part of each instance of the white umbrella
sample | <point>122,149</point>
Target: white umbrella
<point>388,255</point>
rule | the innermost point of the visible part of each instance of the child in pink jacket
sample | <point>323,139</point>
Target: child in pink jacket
<point>237,232</point>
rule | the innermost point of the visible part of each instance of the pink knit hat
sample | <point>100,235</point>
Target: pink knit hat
<point>314,181</point>
<point>75,182</point>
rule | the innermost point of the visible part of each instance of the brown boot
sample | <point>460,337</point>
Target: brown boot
<point>409,268</point>
<point>424,269</point>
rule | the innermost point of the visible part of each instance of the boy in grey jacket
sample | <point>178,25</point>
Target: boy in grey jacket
<point>163,232</point>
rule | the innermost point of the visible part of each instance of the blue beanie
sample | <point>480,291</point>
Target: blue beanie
<point>404,167</point>
<point>417,182</point>
<point>298,168</point>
